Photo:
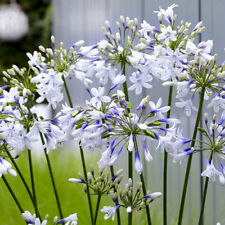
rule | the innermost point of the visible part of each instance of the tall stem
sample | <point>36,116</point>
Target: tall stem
<point>130,155</point>
<point>190,158</point>
<point>12,194</point>
<point>52,178</point>
<point>67,92</point>
<point>21,176</point>
<point>166,165</point>
<point>97,209</point>
<point>87,187</point>
<point>143,188</point>
<point>204,195</point>
<point>118,210</point>
<point>33,184</point>
<point>82,156</point>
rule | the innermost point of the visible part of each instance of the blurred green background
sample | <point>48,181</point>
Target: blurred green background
<point>66,164</point>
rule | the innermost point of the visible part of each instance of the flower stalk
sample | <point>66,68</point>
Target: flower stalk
<point>82,156</point>
<point>190,158</point>
<point>204,194</point>
<point>166,164</point>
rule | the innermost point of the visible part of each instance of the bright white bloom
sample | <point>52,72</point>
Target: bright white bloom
<point>131,143</point>
<point>34,60</point>
<point>167,35</point>
<point>28,217</point>
<point>38,222</point>
<point>166,14</point>
<point>217,103</point>
<point>110,211</point>
<point>186,105</point>
<point>98,97</point>
<point>129,209</point>
<point>138,165</point>
<point>139,81</point>
<point>155,108</point>
<point>49,87</point>
<point>70,220</point>
<point>210,171</point>
<point>5,167</point>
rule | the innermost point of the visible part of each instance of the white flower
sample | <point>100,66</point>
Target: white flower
<point>210,171</point>
<point>98,96</point>
<point>70,220</point>
<point>148,155</point>
<point>34,60</point>
<point>186,105</point>
<point>138,165</point>
<point>167,35</point>
<point>49,87</point>
<point>5,167</point>
<point>131,143</point>
<point>104,71</point>
<point>166,14</point>
<point>155,108</point>
<point>129,209</point>
<point>140,80</point>
<point>182,89</point>
<point>28,217</point>
<point>38,222</point>
<point>146,27</point>
<point>110,211</point>
<point>216,103</point>
<point>89,51</point>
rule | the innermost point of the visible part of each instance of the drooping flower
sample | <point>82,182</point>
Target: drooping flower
<point>110,211</point>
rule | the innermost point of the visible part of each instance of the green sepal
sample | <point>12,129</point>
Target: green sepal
<point>149,133</point>
<point>202,131</point>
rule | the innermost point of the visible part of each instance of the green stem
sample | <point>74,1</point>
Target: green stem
<point>67,92</point>
<point>118,210</point>
<point>53,184</point>
<point>87,187</point>
<point>130,155</point>
<point>12,194</point>
<point>123,68</point>
<point>148,215</point>
<point>82,156</point>
<point>52,179</point>
<point>130,218</point>
<point>204,194</point>
<point>33,184</point>
<point>190,158</point>
<point>21,176</point>
<point>166,165</point>
<point>97,209</point>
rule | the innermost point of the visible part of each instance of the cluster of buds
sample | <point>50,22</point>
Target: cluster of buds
<point>18,77</point>
<point>206,75</point>
<point>117,47</point>
<point>133,199</point>
<point>60,59</point>
<point>100,183</point>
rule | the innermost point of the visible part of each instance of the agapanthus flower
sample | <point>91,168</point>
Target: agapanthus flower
<point>5,167</point>
<point>213,144</point>
<point>110,211</point>
<point>70,220</point>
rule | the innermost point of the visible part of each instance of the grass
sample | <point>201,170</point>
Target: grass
<point>66,164</point>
